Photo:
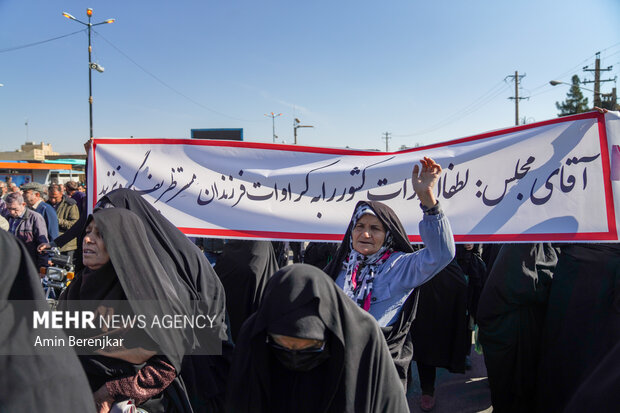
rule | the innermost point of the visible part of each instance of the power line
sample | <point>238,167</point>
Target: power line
<point>168,86</point>
<point>10,49</point>
<point>478,103</point>
<point>578,67</point>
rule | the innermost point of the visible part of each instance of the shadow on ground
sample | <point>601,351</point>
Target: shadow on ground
<point>456,393</point>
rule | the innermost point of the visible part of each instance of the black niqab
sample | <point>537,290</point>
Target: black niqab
<point>358,376</point>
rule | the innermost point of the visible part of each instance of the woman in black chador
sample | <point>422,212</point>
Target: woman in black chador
<point>581,334</point>
<point>244,269</point>
<point>510,317</point>
<point>123,275</point>
<point>204,373</point>
<point>309,348</point>
<point>33,380</point>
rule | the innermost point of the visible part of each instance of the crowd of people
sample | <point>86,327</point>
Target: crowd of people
<point>39,214</point>
<point>342,332</point>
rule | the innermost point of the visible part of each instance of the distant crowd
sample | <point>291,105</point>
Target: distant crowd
<point>39,214</point>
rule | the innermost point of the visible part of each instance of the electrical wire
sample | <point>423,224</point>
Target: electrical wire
<point>477,104</point>
<point>11,49</point>
<point>169,86</point>
<point>577,67</point>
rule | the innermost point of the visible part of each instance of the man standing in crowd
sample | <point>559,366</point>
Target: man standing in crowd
<point>67,212</point>
<point>3,190</point>
<point>71,188</point>
<point>4,213</point>
<point>33,194</point>
<point>27,225</point>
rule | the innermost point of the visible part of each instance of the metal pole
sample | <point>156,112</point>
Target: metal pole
<point>273,127</point>
<point>90,81</point>
<point>516,98</point>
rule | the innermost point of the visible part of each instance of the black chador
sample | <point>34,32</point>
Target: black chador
<point>352,373</point>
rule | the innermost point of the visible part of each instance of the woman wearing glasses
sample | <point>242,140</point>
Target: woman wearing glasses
<point>309,348</point>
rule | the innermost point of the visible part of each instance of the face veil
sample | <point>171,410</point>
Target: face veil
<point>358,356</point>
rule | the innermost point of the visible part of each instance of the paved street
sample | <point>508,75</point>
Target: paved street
<point>456,393</point>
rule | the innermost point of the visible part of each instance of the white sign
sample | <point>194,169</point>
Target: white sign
<point>548,181</point>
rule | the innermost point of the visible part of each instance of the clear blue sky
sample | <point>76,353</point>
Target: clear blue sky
<point>353,69</point>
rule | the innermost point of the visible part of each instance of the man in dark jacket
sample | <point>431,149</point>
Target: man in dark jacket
<point>71,189</point>
<point>67,212</point>
<point>27,225</point>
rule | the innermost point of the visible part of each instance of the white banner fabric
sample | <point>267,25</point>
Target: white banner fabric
<point>557,180</point>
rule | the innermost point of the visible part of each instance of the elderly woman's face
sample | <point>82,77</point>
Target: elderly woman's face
<point>94,253</point>
<point>368,235</point>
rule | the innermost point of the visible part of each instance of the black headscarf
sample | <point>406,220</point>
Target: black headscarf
<point>244,268</point>
<point>36,382</point>
<point>581,328</point>
<point>133,274</point>
<point>358,376</point>
<point>187,267</point>
<point>510,316</point>
<point>397,333</point>
<point>181,259</point>
<point>390,221</point>
<point>320,254</point>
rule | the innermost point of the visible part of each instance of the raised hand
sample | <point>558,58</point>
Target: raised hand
<point>424,181</point>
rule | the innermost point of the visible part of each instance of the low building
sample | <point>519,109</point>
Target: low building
<point>29,151</point>
<point>37,162</point>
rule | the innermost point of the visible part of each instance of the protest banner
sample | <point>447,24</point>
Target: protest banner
<point>547,181</point>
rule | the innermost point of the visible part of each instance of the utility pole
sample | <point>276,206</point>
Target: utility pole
<point>516,97</point>
<point>597,79</point>
<point>387,137</point>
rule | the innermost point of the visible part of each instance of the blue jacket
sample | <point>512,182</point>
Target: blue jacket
<point>51,219</point>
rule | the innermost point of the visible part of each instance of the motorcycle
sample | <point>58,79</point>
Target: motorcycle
<point>57,276</point>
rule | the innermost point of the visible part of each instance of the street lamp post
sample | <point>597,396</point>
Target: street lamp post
<point>273,117</point>
<point>296,125</point>
<point>91,66</point>
<point>557,82</point>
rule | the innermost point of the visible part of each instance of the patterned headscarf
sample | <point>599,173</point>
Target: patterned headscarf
<point>361,269</point>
